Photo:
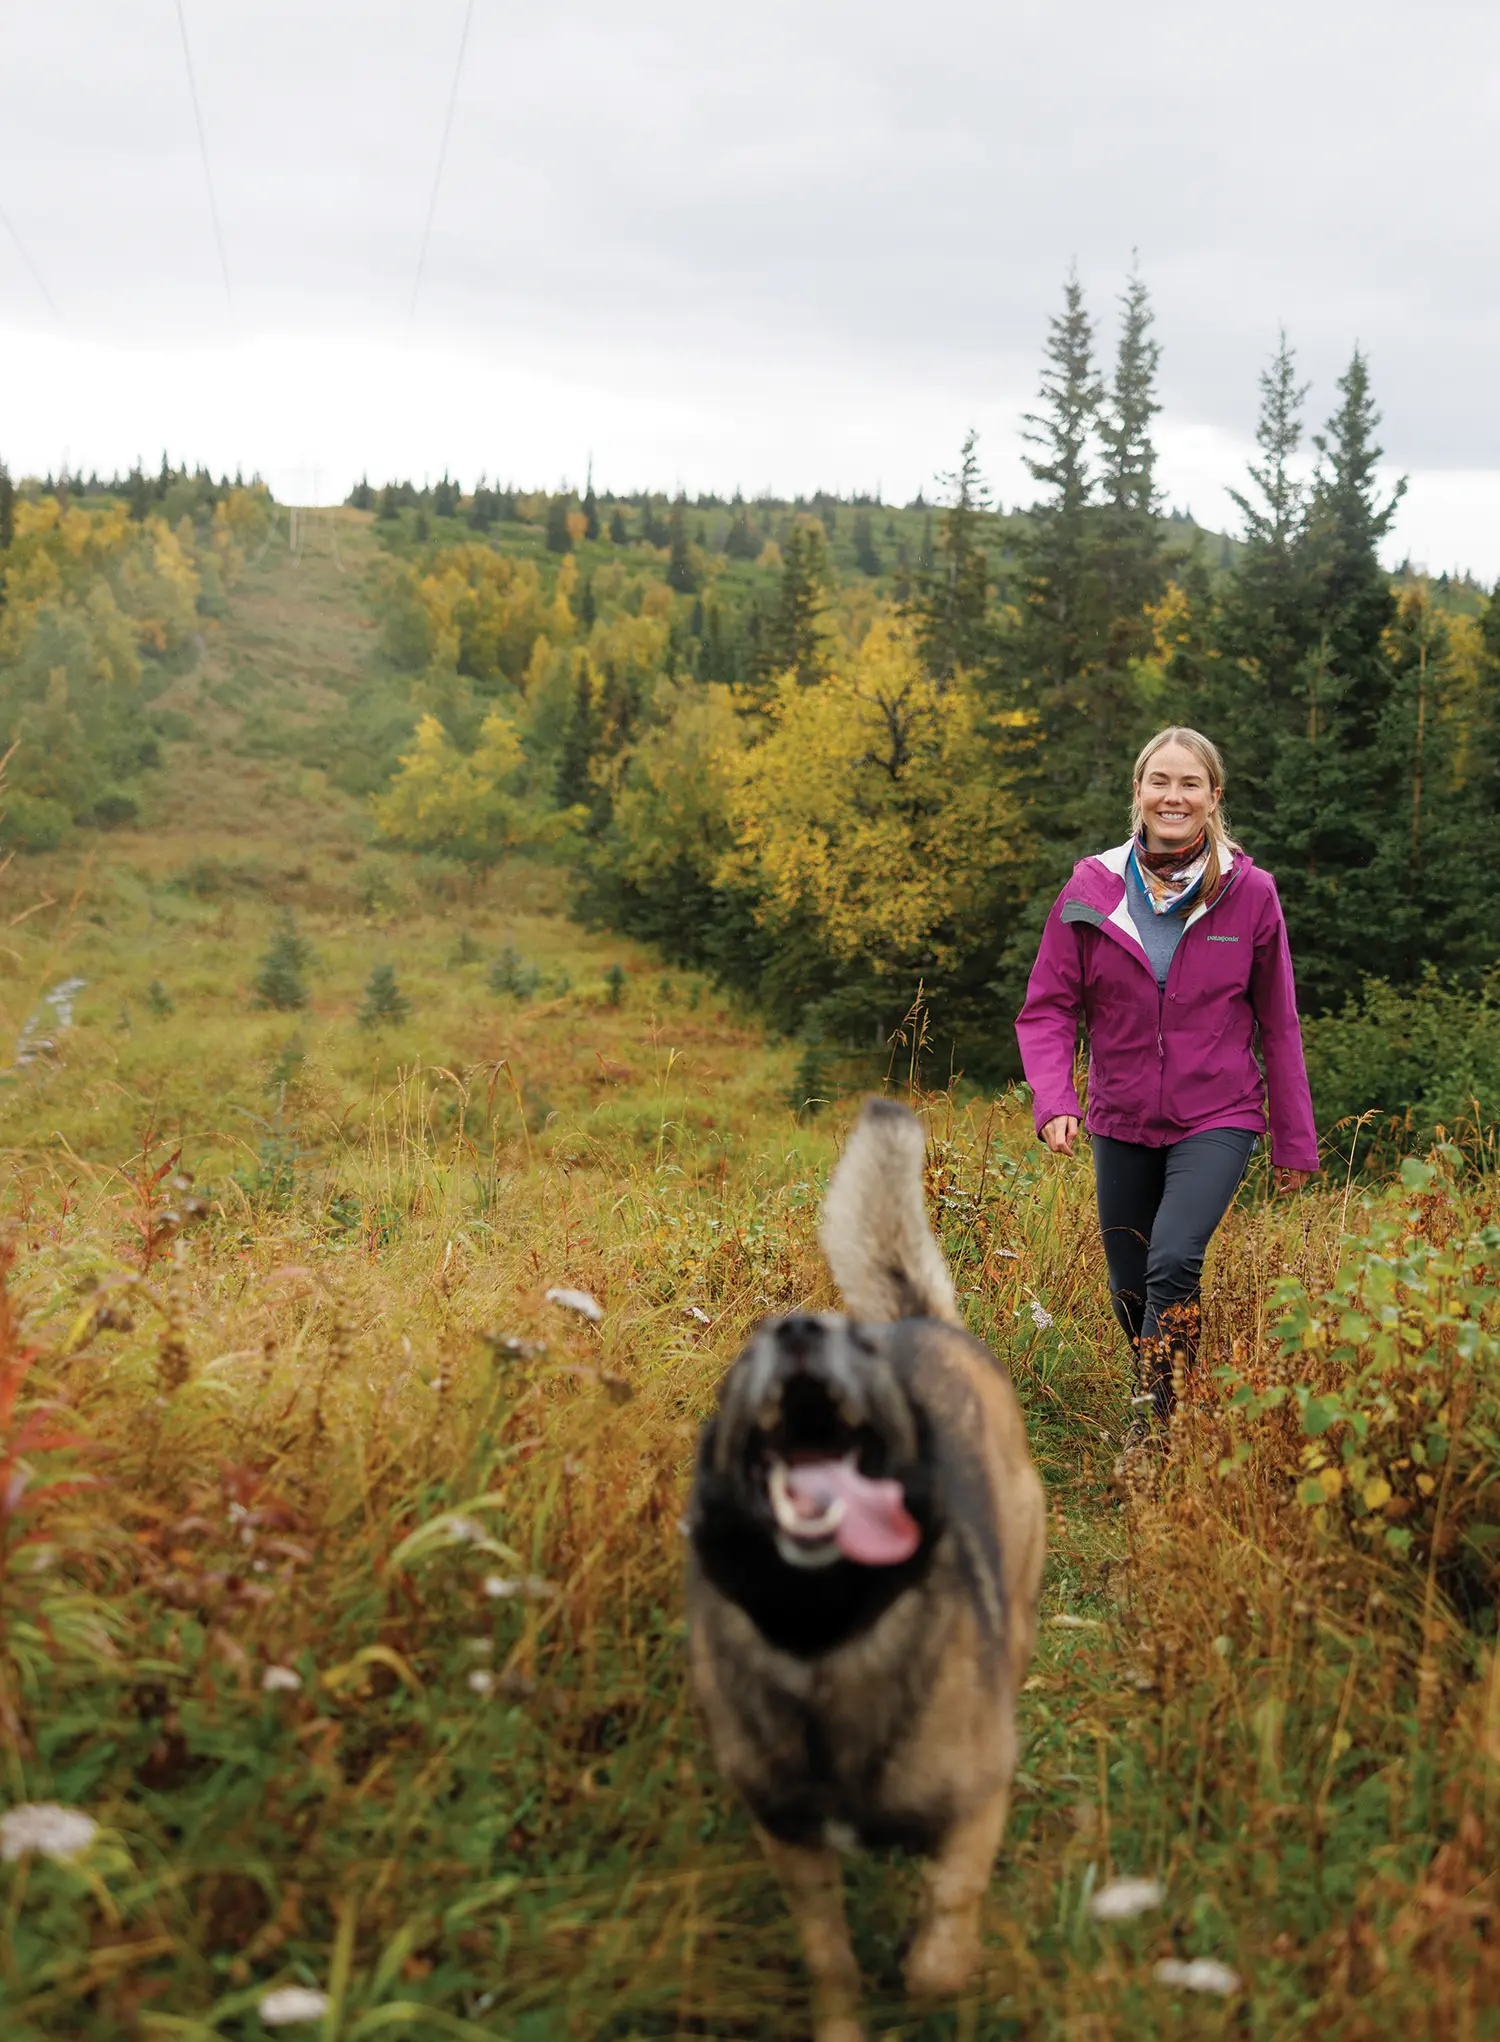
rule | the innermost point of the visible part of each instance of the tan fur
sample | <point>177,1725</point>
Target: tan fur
<point>875,1233</point>
<point>916,1713</point>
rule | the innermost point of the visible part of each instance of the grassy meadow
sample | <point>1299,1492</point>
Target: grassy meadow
<point>339,1567</point>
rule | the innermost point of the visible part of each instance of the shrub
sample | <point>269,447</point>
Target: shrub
<point>384,1000</point>
<point>279,982</point>
<point>514,974</point>
<point>1423,1057</point>
<point>1390,1391</point>
<point>614,985</point>
<point>34,822</point>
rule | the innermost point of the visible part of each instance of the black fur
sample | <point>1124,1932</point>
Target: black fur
<point>804,1611</point>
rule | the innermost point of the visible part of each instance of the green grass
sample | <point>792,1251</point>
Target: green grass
<point>285,1380</point>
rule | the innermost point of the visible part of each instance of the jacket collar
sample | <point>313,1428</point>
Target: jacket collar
<point>1116,904</point>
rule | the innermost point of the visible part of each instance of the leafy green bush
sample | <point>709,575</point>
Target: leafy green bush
<point>1414,1059</point>
<point>1390,1398</point>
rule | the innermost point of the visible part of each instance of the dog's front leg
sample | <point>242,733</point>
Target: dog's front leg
<point>813,1883</point>
<point>945,1951</point>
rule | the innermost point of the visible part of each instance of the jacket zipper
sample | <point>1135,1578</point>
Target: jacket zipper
<point>1161,1000</point>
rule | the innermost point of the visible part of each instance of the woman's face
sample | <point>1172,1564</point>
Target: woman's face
<point>1176,798</point>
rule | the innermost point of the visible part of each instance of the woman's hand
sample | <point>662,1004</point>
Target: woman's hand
<point>1288,1181</point>
<point>1060,1133</point>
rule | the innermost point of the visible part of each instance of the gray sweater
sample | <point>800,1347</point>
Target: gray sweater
<point>1159,934</point>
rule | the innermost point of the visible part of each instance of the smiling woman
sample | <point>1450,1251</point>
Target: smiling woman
<point>1173,952</point>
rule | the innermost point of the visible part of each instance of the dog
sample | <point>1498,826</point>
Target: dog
<point>866,1539</point>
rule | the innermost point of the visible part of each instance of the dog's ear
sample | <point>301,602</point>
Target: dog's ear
<point>880,1248</point>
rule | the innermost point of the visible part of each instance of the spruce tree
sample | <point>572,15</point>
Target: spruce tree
<point>138,493</point>
<point>559,537</point>
<point>742,542</point>
<point>590,508</point>
<point>1060,642</point>
<point>384,1002</point>
<point>950,604</point>
<point>793,640</point>
<point>866,554</point>
<point>1131,561</point>
<point>618,531</point>
<point>681,574</point>
<point>279,982</point>
<point>574,787</point>
<point>7,509</point>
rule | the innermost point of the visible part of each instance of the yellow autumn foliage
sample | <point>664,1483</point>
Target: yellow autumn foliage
<point>875,807</point>
<point>471,804</point>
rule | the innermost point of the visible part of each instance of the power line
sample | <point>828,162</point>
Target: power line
<point>463,43</point>
<point>36,275</point>
<point>213,204</point>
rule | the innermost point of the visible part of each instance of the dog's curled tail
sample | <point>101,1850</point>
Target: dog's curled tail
<point>875,1234</point>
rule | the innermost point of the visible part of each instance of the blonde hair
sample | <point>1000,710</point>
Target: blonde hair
<point>1221,846</point>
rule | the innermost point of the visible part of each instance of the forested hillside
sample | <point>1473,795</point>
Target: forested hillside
<point>840,754</point>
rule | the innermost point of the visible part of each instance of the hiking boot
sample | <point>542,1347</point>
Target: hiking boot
<point>1142,1449</point>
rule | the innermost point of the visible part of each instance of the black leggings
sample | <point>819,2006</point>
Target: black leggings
<point>1158,1209</point>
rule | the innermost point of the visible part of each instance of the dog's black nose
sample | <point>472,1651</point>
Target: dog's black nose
<point>799,1335</point>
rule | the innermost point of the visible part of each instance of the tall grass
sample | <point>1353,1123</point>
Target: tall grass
<point>376,1458</point>
<point>339,1568</point>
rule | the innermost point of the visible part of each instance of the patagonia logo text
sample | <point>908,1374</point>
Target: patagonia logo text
<point>1223,939</point>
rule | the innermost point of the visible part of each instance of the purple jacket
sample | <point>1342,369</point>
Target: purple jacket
<point>1165,1063</point>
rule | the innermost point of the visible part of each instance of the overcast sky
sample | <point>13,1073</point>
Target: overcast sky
<point>787,245</point>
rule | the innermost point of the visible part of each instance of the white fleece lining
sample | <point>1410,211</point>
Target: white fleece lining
<point>1114,861</point>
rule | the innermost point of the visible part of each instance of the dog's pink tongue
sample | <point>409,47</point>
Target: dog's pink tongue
<point>876,1529</point>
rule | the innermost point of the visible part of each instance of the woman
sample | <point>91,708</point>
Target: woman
<point>1173,952</point>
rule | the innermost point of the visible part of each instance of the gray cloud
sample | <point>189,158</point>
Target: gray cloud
<point>656,196</point>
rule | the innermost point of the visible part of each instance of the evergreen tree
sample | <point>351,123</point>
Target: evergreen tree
<point>590,508</point>
<point>793,640</point>
<point>951,600</point>
<point>1312,718</point>
<point>389,502</point>
<point>574,786</point>
<point>681,574</point>
<point>742,543</point>
<point>138,494</point>
<point>7,509</point>
<point>384,1002</point>
<point>446,498</point>
<point>279,982</point>
<point>361,496</point>
<point>559,537</point>
<point>866,555</point>
<point>1050,660</point>
<point>618,531</point>
<point>1131,560</point>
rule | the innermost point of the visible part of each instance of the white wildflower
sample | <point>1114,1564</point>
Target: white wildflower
<point>1202,1974</point>
<point>280,1680</point>
<point>528,1588</point>
<point>45,1827</point>
<point>577,1301</point>
<point>482,1681</point>
<point>290,2003</point>
<point>1124,1899</point>
<point>696,1312</point>
<point>1041,1318</point>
